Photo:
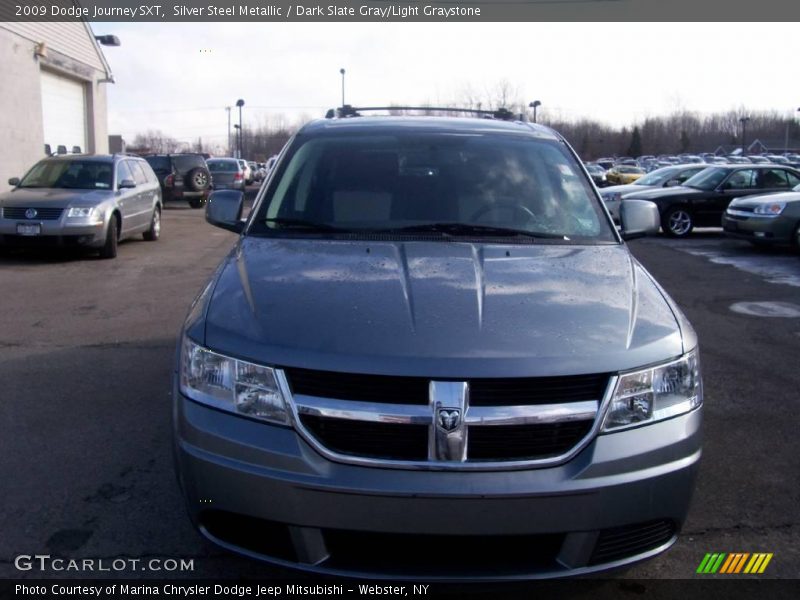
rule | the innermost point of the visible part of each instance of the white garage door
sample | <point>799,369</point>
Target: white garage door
<point>64,112</point>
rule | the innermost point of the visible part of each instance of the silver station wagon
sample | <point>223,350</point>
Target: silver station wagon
<point>83,201</point>
<point>430,354</point>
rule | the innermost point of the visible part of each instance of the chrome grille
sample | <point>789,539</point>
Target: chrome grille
<point>42,214</point>
<point>478,424</point>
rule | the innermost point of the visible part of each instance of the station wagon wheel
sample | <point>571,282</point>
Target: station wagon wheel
<point>109,249</point>
<point>677,222</point>
<point>152,234</point>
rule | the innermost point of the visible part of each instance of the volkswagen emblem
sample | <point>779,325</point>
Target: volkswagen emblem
<point>31,213</point>
<point>448,418</point>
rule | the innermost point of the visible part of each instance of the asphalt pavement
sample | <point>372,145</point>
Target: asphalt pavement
<point>86,355</point>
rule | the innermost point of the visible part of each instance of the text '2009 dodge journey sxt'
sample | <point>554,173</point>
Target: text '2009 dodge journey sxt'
<point>431,354</point>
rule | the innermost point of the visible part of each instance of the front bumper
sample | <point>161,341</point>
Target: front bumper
<point>262,491</point>
<point>54,233</point>
<point>758,228</point>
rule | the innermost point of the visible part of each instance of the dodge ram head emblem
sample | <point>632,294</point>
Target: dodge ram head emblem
<point>448,418</point>
<point>31,213</point>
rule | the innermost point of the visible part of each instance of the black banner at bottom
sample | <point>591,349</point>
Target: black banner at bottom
<point>578,589</point>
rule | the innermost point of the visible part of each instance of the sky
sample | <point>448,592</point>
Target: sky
<point>179,77</point>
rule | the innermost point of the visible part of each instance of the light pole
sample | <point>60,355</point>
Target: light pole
<point>744,121</point>
<point>342,73</point>
<point>238,129</point>
<point>786,139</point>
<point>228,110</point>
<point>240,104</point>
<point>534,105</point>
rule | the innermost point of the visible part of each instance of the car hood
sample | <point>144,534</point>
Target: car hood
<point>438,308</point>
<point>765,199</point>
<point>625,189</point>
<point>678,190</point>
<point>53,197</point>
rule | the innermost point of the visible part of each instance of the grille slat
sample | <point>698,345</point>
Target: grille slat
<point>42,214</point>
<point>389,441</point>
<point>521,442</point>
<point>524,391</point>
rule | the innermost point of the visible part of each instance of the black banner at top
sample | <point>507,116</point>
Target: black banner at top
<point>398,11</point>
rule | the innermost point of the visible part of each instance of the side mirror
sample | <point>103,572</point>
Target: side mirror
<point>673,182</point>
<point>126,183</point>
<point>14,181</point>
<point>224,210</point>
<point>638,218</point>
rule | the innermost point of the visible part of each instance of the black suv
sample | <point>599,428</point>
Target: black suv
<point>182,177</point>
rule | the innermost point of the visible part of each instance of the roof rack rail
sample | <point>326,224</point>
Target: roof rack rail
<point>345,111</point>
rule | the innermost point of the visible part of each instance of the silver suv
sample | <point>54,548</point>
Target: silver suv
<point>431,354</point>
<point>82,201</point>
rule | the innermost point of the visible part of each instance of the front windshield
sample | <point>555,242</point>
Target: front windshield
<point>69,174</point>
<point>396,183</point>
<point>657,177</point>
<point>707,179</point>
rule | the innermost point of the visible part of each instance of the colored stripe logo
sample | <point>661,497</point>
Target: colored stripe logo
<point>734,563</point>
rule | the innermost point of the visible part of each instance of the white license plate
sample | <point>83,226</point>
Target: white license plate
<point>29,229</point>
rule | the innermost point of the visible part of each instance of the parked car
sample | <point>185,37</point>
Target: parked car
<point>622,174</point>
<point>701,200</point>
<point>738,160</point>
<point>419,350</point>
<point>660,178</point>
<point>182,177</point>
<point>767,219</point>
<point>82,201</point>
<point>254,170</point>
<point>757,160</point>
<point>228,173</point>
<point>606,163</point>
<point>598,174</point>
<point>249,176</point>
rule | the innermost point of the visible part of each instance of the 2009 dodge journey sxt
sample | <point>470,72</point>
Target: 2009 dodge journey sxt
<point>431,354</point>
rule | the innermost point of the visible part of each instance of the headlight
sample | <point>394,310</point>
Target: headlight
<point>656,393</point>
<point>772,209</point>
<point>229,384</point>
<point>81,212</point>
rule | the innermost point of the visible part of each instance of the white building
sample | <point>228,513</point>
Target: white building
<point>53,79</point>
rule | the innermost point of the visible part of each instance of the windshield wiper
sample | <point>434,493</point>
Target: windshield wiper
<point>470,229</point>
<point>303,224</point>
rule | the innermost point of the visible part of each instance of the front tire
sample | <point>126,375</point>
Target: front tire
<point>152,234</point>
<point>677,222</point>
<point>109,249</point>
<point>796,238</point>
